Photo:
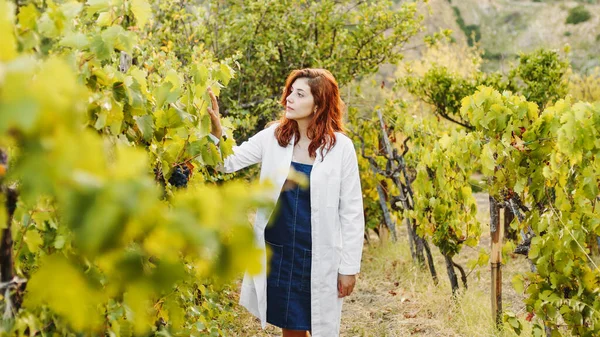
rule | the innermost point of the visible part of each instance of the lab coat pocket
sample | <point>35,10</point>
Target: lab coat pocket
<point>333,192</point>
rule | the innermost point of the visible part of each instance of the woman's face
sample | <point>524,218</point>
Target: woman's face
<point>300,102</point>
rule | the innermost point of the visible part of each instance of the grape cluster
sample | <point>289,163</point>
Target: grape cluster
<point>180,176</point>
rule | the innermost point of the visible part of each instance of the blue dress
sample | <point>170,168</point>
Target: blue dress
<point>288,237</point>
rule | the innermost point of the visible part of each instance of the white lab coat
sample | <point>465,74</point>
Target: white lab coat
<point>337,222</point>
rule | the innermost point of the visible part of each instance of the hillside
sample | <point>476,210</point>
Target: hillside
<point>508,27</point>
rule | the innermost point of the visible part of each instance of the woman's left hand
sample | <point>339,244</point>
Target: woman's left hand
<point>345,285</point>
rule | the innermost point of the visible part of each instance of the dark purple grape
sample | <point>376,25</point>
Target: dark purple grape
<point>180,176</point>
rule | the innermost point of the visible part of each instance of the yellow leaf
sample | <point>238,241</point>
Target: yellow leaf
<point>104,19</point>
<point>137,298</point>
<point>445,142</point>
<point>33,240</point>
<point>64,289</point>
<point>296,177</point>
<point>590,281</point>
<point>61,89</point>
<point>519,144</point>
<point>216,88</point>
<point>130,162</point>
<point>8,43</point>
<point>164,243</point>
<point>174,78</point>
<point>176,314</point>
<point>27,16</point>
<point>142,11</point>
<point>96,6</point>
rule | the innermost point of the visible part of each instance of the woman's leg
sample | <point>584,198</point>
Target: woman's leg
<point>295,333</point>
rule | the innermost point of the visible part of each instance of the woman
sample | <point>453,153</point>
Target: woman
<point>315,235</point>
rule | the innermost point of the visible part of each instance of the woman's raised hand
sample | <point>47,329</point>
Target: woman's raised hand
<point>213,111</point>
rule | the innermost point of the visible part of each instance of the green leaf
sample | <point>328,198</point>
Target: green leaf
<point>590,186</point>
<point>160,118</point>
<point>59,242</point>
<point>471,242</point>
<point>174,78</point>
<point>101,120</point>
<point>137,100</point>
<point>176,117</point>
<point>101,48</point>
<point>120,92</point>
<point>195,147</point>
<point>171,150</point>
<point>201,75</point>
<point>205,125</point>
<point>225,73</point>
<point>71,10</point>
<point>226,147</point>
<point>488,163</point>
<point>164,95</point>
<point>47,26</point>
<point>146,126</point>
<point>118,37</point>
<point>210,154</point>
<point>40,219</point>
<point>520,185</point>
<point>518,283</point>
<point>75,40</point>
<point>534,251</point>
<point>22,114</point>
<point>140,78</point>
<point>514,322</point>
<point>96,6</point>
<point>125,328</point>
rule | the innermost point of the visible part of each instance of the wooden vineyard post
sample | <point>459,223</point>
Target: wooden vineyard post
<point>496,233</point>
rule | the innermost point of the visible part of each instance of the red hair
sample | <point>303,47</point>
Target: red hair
<point>326,120</point>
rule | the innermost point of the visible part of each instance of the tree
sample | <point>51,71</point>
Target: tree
<point>540,76</point>
<point>268,39</point>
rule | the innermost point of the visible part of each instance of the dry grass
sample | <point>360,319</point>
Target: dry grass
<point>394,298</point>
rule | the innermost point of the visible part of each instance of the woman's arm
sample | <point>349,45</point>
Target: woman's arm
<point>351,214</point>
<point>249,153</point>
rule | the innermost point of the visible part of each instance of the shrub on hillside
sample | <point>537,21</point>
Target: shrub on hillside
<point>578,14</point>
<point>472,32</point>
